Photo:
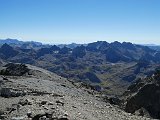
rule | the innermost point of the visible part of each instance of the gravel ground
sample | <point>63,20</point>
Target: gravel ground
<point>49,94</point>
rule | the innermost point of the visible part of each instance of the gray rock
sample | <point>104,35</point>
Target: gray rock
<point>44,102</point>
<point>5,92</point>
<point>60,102</point>
<point>15,69</point>
<point>9,92</point>
<point>25,102</point>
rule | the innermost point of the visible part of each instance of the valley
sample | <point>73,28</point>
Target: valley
<point>109,67</point>
<point>97,81</point>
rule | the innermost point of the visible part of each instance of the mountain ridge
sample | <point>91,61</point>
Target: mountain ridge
<point>99,61</point>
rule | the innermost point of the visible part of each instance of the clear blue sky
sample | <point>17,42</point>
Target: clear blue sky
<point>81,21</point>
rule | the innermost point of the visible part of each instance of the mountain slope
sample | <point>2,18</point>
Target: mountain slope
<point>143,96</point>
<point>7,51</point>
<point>40,94</point>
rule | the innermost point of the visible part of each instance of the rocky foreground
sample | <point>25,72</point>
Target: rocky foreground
<point>37,94</point>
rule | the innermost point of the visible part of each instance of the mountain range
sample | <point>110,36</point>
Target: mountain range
<point>109,67</point>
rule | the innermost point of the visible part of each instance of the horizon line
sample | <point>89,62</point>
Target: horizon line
<point>50,43</point>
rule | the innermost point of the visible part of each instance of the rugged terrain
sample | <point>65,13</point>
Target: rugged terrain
<point>143,96</point>
<point>83,82</point>
<point>109,67</point>
<point>39,94</point>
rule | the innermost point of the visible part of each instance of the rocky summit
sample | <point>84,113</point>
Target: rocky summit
<point>38,94</point>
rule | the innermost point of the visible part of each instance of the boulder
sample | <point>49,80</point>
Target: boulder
<point>44,102</point>
<point>24,102</point>
<point>60,102</point>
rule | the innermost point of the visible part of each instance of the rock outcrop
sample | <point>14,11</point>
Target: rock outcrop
<point>9,92</point>
<point>144,95</point>
<point>14,69</point>
<point>79,52</point>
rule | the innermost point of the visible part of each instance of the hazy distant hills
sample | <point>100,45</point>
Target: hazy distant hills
<point>33,44</point>
<point>155,47</point>
<point>72,45</point>
<point>109,67</point>
<point>11,41</point>
<point>17,42</point>
<point>22,44</point>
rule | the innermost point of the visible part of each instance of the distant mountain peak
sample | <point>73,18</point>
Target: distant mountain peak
<point>6,46</point>
<point>10,41</point>
<point>7,51</point>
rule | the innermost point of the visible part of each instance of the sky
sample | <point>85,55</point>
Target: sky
<point>81,21</point>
